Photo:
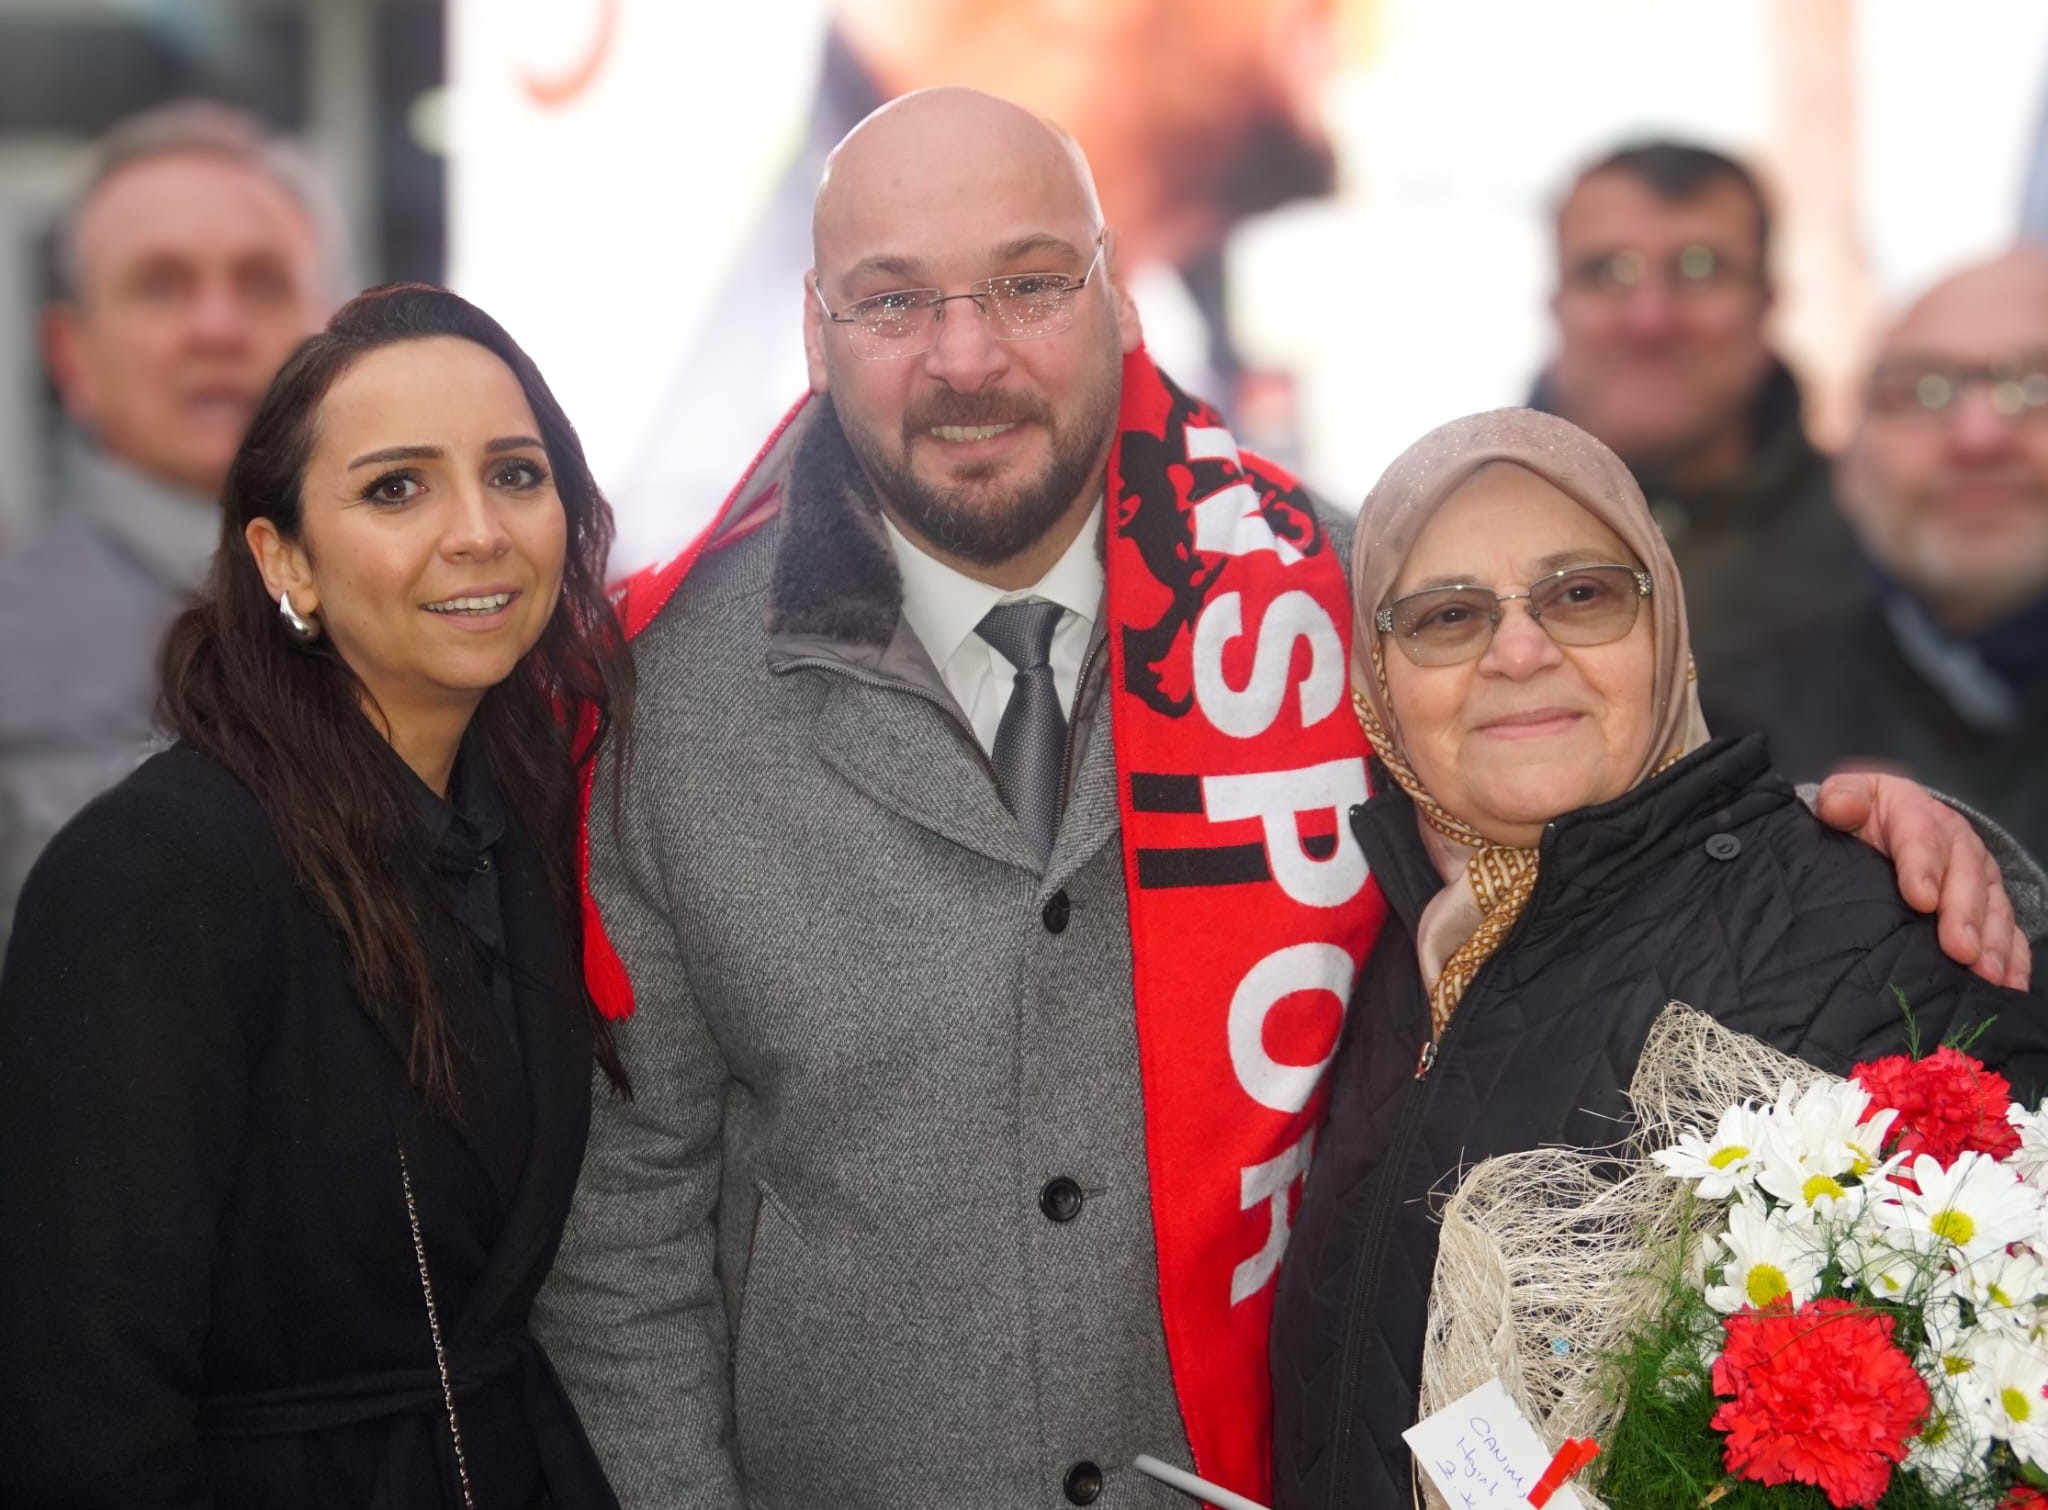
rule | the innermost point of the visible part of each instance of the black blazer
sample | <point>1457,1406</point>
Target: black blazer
<point>208,1289</point>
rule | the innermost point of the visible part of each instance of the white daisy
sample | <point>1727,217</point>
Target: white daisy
<point>2005,1290</point>
<point>1809,1178</point>
<point>1884,1261</point>
<point>1724,1164</point>
<point>2011,1380</point>
<point>1768,1258</point>
<point>1971,1209</point>
<point>1950,1335</point>
<point>1825,1126</point>
<point>2032,1158</point>
<point>1948,1453</point>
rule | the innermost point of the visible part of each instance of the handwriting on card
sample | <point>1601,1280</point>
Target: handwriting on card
<point>1482,1454</point>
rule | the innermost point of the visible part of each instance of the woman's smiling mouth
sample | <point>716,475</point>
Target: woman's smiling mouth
<point>1536,723</point>
<point>487,603</point>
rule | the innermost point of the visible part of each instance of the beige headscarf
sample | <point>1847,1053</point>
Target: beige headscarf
<point>1486,884</point>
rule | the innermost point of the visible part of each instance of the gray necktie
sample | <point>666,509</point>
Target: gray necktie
<point>1031,741</point>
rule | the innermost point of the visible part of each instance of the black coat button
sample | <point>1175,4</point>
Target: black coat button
<point>1723,847</point>
<point>1084,1483</point>
<point>483,863</point>
<point>1056,912</point>
<point>1060,1200</point>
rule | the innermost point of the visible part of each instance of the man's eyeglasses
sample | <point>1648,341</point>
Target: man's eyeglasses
<point>1694,269</point>
<point>905,321</point>
<point>1929,390</point>
<point>1581,605</point>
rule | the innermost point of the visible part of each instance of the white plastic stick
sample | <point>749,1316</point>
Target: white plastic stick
<point>1187,1483</point>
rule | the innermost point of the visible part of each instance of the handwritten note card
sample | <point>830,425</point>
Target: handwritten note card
<point>1482,1454</point>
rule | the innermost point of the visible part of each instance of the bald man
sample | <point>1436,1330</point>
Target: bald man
<point>1194,114</point>
<point>1943,673</point>
<point>874,1229</point>
<point>976,914</point>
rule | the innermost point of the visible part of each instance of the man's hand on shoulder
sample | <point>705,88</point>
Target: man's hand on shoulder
<point>1943,865</point>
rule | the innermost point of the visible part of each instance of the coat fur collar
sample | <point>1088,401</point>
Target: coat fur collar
<point>834,574</point>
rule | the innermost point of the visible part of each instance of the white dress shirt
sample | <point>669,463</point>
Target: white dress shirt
<point>944,606</point>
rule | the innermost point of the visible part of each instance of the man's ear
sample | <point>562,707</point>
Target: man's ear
<point>1130,332</point>
<point>284,566</point>
<point>814,332</point>
<point>62,341</point>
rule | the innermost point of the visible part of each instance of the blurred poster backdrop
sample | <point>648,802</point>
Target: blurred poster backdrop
<point>1335,212</point>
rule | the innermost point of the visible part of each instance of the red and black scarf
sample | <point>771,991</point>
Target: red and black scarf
<point>1250,907</point>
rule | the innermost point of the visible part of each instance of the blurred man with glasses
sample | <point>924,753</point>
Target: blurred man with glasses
<point>1943,672</point>
<point>197,254</point>
<point>1662,305</point>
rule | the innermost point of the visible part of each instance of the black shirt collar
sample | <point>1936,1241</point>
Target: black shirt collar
<point>461,827</point>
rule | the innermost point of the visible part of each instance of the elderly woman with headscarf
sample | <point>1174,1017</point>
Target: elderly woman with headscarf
<point>1563,852</point>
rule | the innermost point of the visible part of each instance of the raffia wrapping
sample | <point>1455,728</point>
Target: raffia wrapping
<point>1576,1244</point>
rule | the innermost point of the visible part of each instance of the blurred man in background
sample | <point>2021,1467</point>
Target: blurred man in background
<point>198,254</point>
<point>1663,295</point>
<point>1943,671</point>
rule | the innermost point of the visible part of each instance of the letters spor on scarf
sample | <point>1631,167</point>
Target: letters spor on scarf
<point>1238,762</point>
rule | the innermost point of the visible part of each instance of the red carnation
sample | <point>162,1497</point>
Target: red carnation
<point>1820,1396</point>
<point>1948,1104</point>
<point>2023,1498</point>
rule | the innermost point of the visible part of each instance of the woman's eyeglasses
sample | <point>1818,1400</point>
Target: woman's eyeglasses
<point>1581,605</point>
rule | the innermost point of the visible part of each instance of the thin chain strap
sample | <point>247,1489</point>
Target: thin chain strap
<point>419,1248</point>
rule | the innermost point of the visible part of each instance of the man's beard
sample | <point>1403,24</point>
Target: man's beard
<point>979,523</point>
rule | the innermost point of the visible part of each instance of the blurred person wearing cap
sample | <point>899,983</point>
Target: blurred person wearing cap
<point>1662,306</point>
<point>195,257</point>
<point>1942,670</point>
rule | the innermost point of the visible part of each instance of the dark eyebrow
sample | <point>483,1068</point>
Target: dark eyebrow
<point>434,453</point>
<point>398,453</point>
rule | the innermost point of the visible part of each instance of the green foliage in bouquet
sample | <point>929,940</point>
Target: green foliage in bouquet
<point>1669,1446</point>
<point>1665,1451</point>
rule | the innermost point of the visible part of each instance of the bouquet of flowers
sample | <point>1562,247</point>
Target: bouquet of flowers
<point>1832,1293</point>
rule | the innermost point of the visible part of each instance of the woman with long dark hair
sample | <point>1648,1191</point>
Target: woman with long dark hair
<point>295,1056</point>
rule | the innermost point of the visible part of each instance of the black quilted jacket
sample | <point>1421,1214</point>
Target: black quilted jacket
<point>1711,884</point>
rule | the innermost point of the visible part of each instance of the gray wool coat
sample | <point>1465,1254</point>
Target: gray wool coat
<point>814,1261</point>
<point>83,609</point>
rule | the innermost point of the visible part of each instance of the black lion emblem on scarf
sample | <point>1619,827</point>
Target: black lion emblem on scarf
<point>1156,495</point>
